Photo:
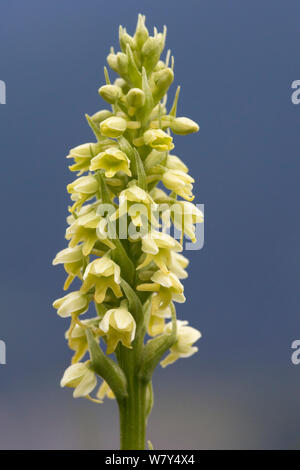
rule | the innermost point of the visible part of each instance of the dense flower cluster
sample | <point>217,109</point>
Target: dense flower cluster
<point>133,281</point>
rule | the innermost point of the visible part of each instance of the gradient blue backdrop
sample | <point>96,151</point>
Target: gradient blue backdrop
<point>235,62</point>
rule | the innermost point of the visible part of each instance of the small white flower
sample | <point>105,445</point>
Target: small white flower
<point>85,185</point>
<point>156,323</point>
<point>158,139</point>
<point>178,265</point>
<point>72,259</point>
<point>102,273</point>
<point>179,182</point>
<point>82,189</point>
<point>118,325</point>
<point>166,287</point>
<point>68,255</point>
<point>77,340</point>
<point>171,283</point>
<point>82,155</point>
<point>135,202</point>
<point>159,247</point>
<point>111,161</point>
<point>81,378</point>
<point>184,215</point>
<point>74,303</point>
<point>183,347</point>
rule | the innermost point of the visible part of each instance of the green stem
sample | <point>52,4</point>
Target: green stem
<point>133,418</point>
<point>133,409</point>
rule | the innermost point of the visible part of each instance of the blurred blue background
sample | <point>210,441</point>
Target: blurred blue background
<point>235,62</point>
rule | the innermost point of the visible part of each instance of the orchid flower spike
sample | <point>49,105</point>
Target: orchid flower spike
<point>125,262</point>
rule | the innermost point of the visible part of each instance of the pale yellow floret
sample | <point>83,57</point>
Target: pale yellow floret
<point>118,325</point>
<point>157,319</point>
<point>166,286</point>
<point>81,378</point>
<point>179,182</point>
<point>72,258</point>
<point>120,191</point>
<point>74,303</point>
<point>159,247</point>
<point>183,347</point>
<point>111,161</point>
<point>157,139</point>
<point>102,274</point>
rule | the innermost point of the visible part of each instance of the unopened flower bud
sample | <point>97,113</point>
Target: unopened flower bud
<point>121,83</point>
<point>125,39</point>
<point>184,126</point>
<point>162,80</point>
<point>135,97</point>
<point>83,185</point>
<point>112,60</point>
<point>84,150</point>
<point>159,66</point>
<point>122,63</point>
<point>113,126</point>
<point>141,32</point>
<point>151,51</point>
<point>110,93</point>
<point>150,46</point>
<point>118,62</point>
<point>158,111</point>
<point>154,158</point>
<point>121,114</point>
<point>101,115</point>
<point>175,163</point>
<point>158,195</point>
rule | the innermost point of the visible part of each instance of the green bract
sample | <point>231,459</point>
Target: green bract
<point>124,263</point>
